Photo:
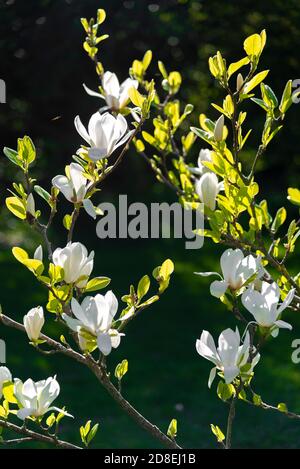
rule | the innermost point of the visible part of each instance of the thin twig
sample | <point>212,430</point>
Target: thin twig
<point>37,436</point>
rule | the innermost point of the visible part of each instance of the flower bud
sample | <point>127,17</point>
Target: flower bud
<point>218,132</point>
<point>33,323</point>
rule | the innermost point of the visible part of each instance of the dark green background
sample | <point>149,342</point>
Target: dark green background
<point>43,64</point>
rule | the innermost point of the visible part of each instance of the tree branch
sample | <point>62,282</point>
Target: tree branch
<point>31,435</point>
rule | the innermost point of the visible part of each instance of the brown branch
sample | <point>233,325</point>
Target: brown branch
<point>31,435</point>
<point>103,378</point>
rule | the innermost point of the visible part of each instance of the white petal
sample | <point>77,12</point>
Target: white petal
<point>104,343</point>
<point>92,93</point>
<point>82,130</point>
<point>89,208</point>
<point>212,376</point>
<point>218,288</point>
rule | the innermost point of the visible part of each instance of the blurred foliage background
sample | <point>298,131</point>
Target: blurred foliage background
<point>44,66</point>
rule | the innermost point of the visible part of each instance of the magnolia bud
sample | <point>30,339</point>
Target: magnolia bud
<point>33,322</point>
<point>239,81</point>
<point>219,126</point>
<point>30,205</point>
<point>207,188</point>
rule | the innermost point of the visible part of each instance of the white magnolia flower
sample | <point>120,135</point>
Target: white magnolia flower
<point>95,316</point>
<point>230,357</point>
<point>36,398</point>
<point>5,375</point>
<point>33,322</point>
<point>264,306</point>
<point>115,95</point>
<point>204,155</point>
<point>237,269</point>
<point>207,188</point>
<point>219,128</point>
<point>74,187</point>
<point>76,262</point>
<point>104,135</point>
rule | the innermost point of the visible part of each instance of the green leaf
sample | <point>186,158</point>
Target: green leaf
<point>51,420</point>
<point>162,70</point>
<point>43,193</point>
<point>147,59</point>
<point>253,45</point>
<point>279,219</point>
<point>101,15</point>
<point>121,369</point>
<point>218,433</point>
<point>256,400</point>
<point>286,100</point>
<point>67,221</point>
<point>97,283</point>
<point>13,156</point>
<point>8,392</point>
<point>16,206</point>
<point>225,391</point>
<point>294,196</point>
<point>256,80</point>
<point>234,67</point>
<point>92,433</point>
<point>172,429</point>
<point>282,407</point>
<point>143,287</point>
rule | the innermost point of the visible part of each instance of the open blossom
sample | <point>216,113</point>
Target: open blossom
<point>36,397</point>
<point>95,316</point>
<point>74,187</point>
<point>76,263</point>
<point>204,155</point>
<point>237,269</point>
<point>207,188</point>
<point>5,375</point>
<point>104,135</point>
<point>33,322</point>
<point>115,94</point>
<point>264,306</point>
<point>230,357</point>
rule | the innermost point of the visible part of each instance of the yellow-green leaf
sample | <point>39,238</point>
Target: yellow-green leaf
<point>16,206</point>
<point>256,80</point>
<point>253,45</point>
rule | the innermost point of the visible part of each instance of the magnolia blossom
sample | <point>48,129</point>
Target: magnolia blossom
<point>104,135</point>
<point>95,316</point>
<point>204,155</point>
<point>115,95</point>
<point>207,188</point>
<point>230,357</point>
<point>5,375</point>
<point>74,187</point>
<point>237,269</point>
<point>264,306</point>
<point>76,263</point>
<point>36,398</point>
<point>33,322</point>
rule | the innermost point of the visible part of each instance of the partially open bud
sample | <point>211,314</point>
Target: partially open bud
<point>33,322</point>
<point>239,81</point>
<point>218,132</point>
<point>30,205</point>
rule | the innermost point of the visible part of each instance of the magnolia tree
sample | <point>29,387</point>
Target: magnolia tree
<point>254,283</point>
